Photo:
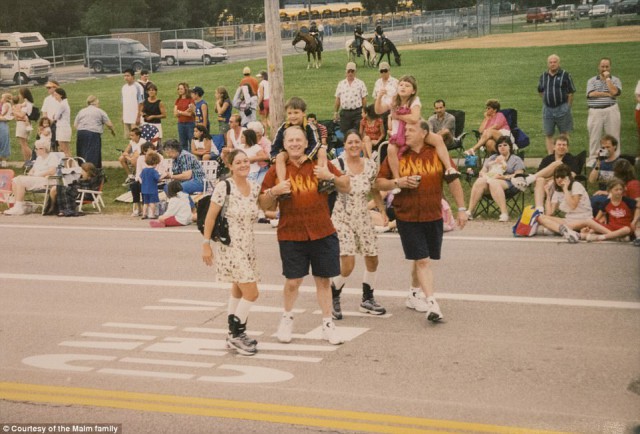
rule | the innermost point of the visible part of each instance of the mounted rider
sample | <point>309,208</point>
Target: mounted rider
<point>358,39</point>
<point>379,37</point>
<point>313,31</point>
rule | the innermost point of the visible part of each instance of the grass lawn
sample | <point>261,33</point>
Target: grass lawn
<point>464,78</point>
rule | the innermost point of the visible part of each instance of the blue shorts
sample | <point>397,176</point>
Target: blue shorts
<point>323,255</point>
<point>557,116</point>
<point>421,240</point>
<point>150,198</point>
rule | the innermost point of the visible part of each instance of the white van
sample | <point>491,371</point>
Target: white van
<point>18,60</point>
<point>180,51</point>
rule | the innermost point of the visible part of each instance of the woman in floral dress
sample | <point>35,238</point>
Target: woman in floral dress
<point>236,263</point>
<point>354,226</point>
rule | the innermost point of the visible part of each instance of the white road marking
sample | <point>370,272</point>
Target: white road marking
<point>215,331</point>
<point>118,336</point>
<point>282,358</point>
<point>152,374</point>
<point>250,374</point>
<point>356,313</point>
<point>102,345</point>
<point>569,302</point>
<point>166,362</point>
<point>61,362</point>
<point>270,233</point>
<point>191,302</point>
<point>128,325</point>
<point>181,308</point>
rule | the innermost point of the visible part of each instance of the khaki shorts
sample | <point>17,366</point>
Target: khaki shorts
<point>31,182</point>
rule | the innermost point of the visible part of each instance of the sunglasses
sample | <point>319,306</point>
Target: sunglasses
<point>382,71</point>
<point>351,70</point>
<point>39,149</point>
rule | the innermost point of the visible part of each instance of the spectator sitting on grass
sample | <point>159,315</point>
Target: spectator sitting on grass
<point>178,211</point>
<point>130,155</point>
<point>602,171</point>
<point>617,218</point>
<point>569,197</point>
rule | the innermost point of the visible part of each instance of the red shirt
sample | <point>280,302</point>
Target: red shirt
<point>304,217</point>
<point>182,105</point>
<point>372,131</point>
<point>422,204</point>
<point>252,82</point>
<point>633,189</point>
<point>620,215</point>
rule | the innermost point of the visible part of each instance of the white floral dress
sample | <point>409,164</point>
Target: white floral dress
<point>351,217</point>
<point>237,261</point>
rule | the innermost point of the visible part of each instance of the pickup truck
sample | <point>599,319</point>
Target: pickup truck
<point>539,15</point>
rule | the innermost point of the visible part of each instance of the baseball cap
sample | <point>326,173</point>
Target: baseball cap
<point>351,65</point>
<point>384,65</point>
<point>198,90</point>
<point>246,70</point>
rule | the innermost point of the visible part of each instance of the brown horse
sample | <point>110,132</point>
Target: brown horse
<point>311,47</point>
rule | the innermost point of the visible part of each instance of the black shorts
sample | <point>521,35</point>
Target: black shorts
<point>421,240</point>
<point>323,255</point>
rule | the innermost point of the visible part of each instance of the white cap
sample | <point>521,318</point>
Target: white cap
<point>246,70</point>
<point>351,65</point>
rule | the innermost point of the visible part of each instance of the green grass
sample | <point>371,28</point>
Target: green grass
<point>464,78</point>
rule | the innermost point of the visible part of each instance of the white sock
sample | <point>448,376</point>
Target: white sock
<point>431,298</point>
<point>369,277</point>
<point>233,305</point>
<point>242,311</point>
<point>339,281</point>
<point>530,179</point>
<point>326,321</point>
<point>288,314</point>
<point>415,291</point>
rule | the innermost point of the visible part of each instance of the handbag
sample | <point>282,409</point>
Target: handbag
<point>221,228</point>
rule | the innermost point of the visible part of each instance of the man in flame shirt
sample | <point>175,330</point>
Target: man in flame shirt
<point>418,210</point>
<point>306,235</point>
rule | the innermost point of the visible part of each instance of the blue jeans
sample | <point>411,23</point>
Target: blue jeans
<point>185,134</point>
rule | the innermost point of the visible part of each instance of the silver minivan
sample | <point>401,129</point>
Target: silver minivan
<point>180,51</point>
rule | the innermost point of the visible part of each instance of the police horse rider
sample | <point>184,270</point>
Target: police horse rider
<point>358,39</point>
<point>313,31</point>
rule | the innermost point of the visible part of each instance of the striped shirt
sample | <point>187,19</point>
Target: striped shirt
<point>555,89</point>
<point>596,84</point>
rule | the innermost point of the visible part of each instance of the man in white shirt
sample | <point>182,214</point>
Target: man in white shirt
<point>132,97</point>
<point>351,99</point>
<point>390,85</point>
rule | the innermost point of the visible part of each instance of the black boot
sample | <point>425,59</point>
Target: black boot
<point>239,340</point>
<point>369,304</point>
<point>336,312</point>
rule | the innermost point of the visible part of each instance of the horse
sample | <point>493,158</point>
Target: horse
<point>367,49</point>
<point>387,48</point>
<point>311,47</point>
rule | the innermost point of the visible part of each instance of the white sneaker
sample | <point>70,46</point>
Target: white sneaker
<point>274,223</point>
<point>18,209</point>
<point>415,301</point>
<point>571,236</point>
<point>330,333</point>
<point>396,191</point>
<point>433,312</point>
<point>135,213</point>
<point>285,329</point>
<point>503,218</point>
<point>469,215</point>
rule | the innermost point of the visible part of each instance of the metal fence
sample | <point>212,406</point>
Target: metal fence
<point>79,57</point>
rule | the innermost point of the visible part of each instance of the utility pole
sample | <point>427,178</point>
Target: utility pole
<point>274,64</point>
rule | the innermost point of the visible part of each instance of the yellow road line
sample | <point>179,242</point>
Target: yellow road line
<point>243,410</point>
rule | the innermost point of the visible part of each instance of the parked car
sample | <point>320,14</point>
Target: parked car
<point>629,7</point>
<point>566,12</point>
<point>538,15</point>
<point>583,10</point>
<point>191,50</point>
<point>600,11</point>
<point>113,54</point>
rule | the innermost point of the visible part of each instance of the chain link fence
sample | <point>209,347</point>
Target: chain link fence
<point>81,57</point>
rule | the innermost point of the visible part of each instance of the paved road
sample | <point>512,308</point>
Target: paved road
<point>104,320</point>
